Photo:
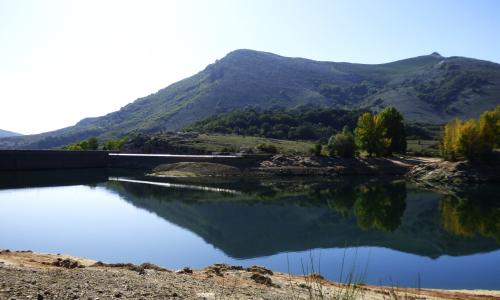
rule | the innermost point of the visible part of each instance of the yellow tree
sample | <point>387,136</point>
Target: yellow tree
<point>470,143</point>
<point>370,134</point>
<point>449,143</point>
<point>488,131</point>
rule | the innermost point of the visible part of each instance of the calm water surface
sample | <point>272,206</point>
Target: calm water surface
<point>385,232</point>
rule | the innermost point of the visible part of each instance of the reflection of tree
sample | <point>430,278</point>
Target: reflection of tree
<point>375,205</point>
<point>380,206</point>
<point>342,199</point>
<point>468,217</point>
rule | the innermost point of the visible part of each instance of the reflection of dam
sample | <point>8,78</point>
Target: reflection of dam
<point>251,225</point>
<point>176,185</point>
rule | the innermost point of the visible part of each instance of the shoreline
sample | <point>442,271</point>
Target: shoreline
<point>25,274</point>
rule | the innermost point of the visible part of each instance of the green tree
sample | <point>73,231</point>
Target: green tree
<point>370,134</point>
<point>92,143</point>
<point>115,144</point>
<point>342,144</point>
<point>392,121</point>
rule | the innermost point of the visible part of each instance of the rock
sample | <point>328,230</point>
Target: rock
<point>67,263</point>
<point>260,270</point>
<point>261,279</point>
<point>454,173</point>
<point>185,270</point>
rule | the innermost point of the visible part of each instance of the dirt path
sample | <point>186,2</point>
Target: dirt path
<point>27,275</point>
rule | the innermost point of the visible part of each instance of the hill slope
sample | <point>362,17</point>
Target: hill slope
<point>428,88</point>
<point>6,133</point>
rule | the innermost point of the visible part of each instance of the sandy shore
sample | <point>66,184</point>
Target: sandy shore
<point>27,275</point>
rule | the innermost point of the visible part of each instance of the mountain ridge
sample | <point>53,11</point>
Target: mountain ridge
<point>428,88</point>
<point>6,133</point>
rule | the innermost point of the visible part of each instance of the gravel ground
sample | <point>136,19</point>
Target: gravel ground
<point>27,275</point>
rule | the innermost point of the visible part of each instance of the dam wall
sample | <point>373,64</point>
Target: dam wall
<point>24,160</point>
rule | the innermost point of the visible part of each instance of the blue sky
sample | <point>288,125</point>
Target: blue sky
<point>61,61</point>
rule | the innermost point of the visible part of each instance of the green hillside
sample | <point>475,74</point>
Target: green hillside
<point>429,89</point>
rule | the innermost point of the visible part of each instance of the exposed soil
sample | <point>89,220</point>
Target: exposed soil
<point>193,169</point>
<point>334,166</point>
<point>27,275</point>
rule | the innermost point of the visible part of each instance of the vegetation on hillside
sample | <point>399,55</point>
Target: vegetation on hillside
<point>471,139</point>
<point>302,123</point>
<point>94,144</point>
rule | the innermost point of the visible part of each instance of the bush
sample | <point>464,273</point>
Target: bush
<point>90,144</point>
<point>342,144</point>
<point>317,149</point>
<point>268,148</point>
<point>115,144</point>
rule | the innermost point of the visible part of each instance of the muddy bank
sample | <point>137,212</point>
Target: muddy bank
<point>27,275</point>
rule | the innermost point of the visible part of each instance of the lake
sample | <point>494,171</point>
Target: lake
<point>381,231</point>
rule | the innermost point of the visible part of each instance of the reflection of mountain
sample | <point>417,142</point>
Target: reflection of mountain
<point>254,224</point>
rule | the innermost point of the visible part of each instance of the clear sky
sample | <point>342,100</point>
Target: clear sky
<point>61,61</point>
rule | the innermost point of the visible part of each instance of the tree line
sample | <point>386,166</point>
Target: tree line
<point>302,123</point>
<point>93,143</point>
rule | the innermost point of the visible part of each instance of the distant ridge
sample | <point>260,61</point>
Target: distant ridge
<point>6,133</point>
<point>429,88</point>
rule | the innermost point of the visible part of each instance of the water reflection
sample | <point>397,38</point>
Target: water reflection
<point>472,212</point>
<point>407,231</point>
<point>273,216</point>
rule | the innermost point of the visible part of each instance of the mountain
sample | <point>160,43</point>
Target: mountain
<point>5,133</point>
<point>429,88</point>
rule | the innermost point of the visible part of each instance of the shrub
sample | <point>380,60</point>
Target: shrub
<point>268,148</point>
<point>90,144</point>
<point>115,144</point>
<point>342,144</point>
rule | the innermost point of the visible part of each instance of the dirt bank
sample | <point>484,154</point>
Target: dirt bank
<point>26,275</point>
<point>194,169</point>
